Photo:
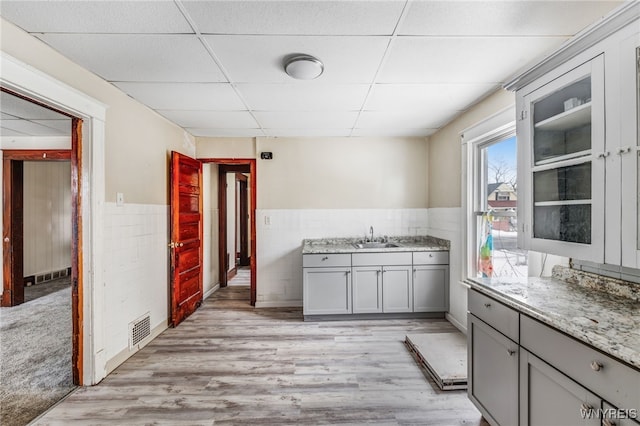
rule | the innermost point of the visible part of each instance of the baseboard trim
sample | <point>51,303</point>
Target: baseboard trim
<point>211,290</point>
<point>125,354</point>
<point>280,304</point>
<point>456,323</point>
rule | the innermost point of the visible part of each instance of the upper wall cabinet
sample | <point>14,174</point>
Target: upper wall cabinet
<point>579,155</point>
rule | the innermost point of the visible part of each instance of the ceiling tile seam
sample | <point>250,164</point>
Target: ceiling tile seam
<point>215,58</point>
<point>383,60</point>
<point>37,122</point>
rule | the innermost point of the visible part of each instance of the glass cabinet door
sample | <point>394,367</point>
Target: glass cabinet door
<point>565,157</point>
<point>629,152</point>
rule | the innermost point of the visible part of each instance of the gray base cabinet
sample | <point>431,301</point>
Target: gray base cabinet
<point>524,372</point>
<point>367,289</point>
<point>327,291</point>
<point>548,397</point>
<point>493,373</point>
<point>372,283</point>
<point>430,288</point>
<point>397,290</point>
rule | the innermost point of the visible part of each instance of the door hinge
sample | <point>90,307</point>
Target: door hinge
<point>523,115</point>
<point>172,245</point>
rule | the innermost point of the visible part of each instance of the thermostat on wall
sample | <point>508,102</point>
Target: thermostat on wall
<point>266,155</point>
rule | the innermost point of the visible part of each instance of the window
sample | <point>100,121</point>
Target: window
<point>491,200</point>
<point>497,251</point>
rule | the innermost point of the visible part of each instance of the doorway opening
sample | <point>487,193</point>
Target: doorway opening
<point>237,222</point>
<point>41,246</point>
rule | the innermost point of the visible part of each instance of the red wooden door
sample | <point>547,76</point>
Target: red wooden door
<point>186,236</point>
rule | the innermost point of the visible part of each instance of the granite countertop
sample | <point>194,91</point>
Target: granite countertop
<point>579,304</point>
<point>346,245</point>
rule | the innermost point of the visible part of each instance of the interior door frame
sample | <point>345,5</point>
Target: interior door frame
<point>242,214</point>
<point>238,165</point>
<point>12,218</point>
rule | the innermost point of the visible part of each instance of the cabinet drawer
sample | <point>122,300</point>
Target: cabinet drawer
<point>431,258</point>
<point>610,379</point>
<point>391,258</point>
<point>497,315</point>
<point>328,260</point>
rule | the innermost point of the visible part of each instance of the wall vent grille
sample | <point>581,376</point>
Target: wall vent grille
<point>139,330</point>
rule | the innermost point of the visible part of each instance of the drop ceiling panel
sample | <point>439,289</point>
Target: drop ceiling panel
<point>304,96</point>
<point>31,128</point>
<point>296,17</point>
<point>96,16</point>
<point>393,132</point>
<point>423,119</point>
<point>188,96</point>
<point>482,18</point>
<point>63,126</point>
<point>461,59</point>
<point>302,120</point>
<point>18,107</point>
<point>211,119</point>
<point>308,133</point>
<point>141,57</point>
<point>407,97</point>
<point>221,132</point>
<point>8,132</point>
<point>254,59</point>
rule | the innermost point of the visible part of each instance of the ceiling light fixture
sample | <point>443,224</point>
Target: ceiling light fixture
<point>303,67</point>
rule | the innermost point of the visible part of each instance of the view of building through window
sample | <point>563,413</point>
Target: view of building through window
<point>499,221</point>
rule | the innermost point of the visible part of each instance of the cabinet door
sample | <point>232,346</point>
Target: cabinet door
<point>430,288</point>
<point>326,291</point>
<point>548,397</point>
<point>397,292</point>
<point>367,289</point>
<point>629,151</point>
<point>564,164</point>
<point>493,373</point>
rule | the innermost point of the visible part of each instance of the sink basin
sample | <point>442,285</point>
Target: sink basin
<point>374,245</point>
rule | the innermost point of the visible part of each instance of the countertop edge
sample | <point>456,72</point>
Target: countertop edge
<point>567,327</point>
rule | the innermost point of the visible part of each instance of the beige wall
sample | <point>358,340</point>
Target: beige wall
<point>47,216</point>
<point>225,148</point>
<point>445,150</point>
<point>342,173</point>
<point>137,139</point>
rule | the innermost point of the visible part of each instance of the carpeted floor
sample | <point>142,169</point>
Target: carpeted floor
<point>35,356</point>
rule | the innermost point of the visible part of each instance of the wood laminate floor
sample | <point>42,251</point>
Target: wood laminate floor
<point>232,364</point>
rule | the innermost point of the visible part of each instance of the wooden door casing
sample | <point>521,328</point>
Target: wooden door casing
<point>237,165</point>
<point>186,236</point>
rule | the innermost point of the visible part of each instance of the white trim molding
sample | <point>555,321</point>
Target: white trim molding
<point>32,83</point>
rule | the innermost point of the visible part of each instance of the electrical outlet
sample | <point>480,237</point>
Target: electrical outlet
<point>119,199</point>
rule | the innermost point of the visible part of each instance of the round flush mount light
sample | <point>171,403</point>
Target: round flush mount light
<point>303,67</point>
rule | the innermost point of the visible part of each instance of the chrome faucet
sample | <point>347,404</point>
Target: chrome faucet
<point>371,231</point>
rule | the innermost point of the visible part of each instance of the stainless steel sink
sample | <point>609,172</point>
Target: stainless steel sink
<point>374,245</point>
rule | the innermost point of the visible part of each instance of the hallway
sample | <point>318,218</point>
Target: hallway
<point>232,364</point>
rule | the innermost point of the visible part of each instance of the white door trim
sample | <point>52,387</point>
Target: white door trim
<point>32,83</point>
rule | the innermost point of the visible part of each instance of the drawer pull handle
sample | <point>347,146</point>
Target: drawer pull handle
<point>586,407</point>
<point>607,422</point>
<point>487,305</point>
<point>596,365</point>
<point>325,258</point>
<point>511,352</point>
